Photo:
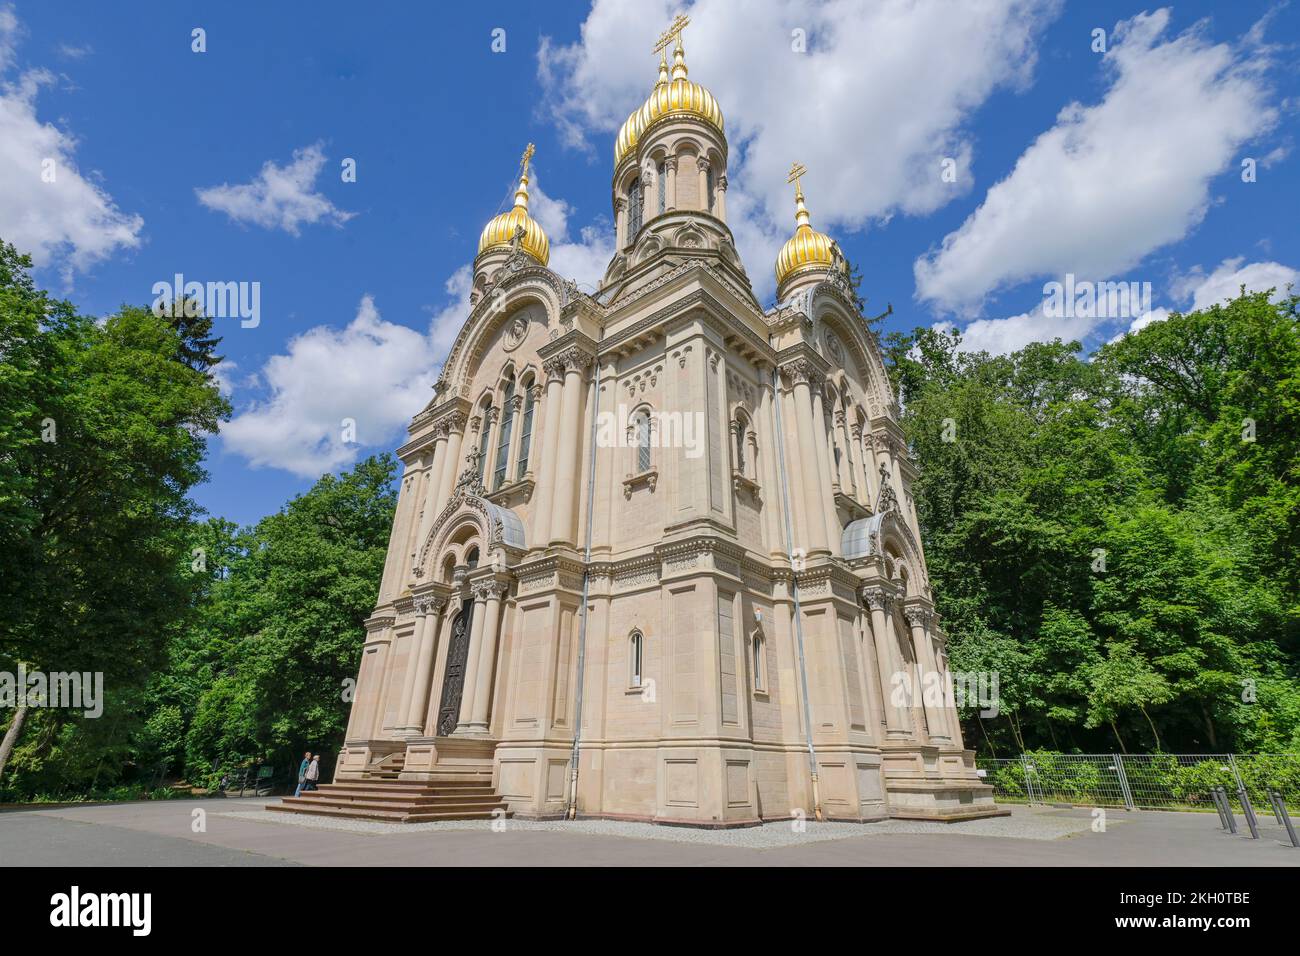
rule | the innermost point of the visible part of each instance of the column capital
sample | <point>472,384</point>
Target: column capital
<point>489,590</point>
<point>554,368</point>
<point>802,372</point>
<point>878,598</point>
<point>918,616</point>
<point>576,359</point>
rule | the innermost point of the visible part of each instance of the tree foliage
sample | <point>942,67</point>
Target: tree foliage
<point>1116,536</point>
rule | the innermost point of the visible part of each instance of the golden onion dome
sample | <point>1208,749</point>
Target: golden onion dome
<point>673,95</point>
<point>807,249</point>
<point>500,231</point>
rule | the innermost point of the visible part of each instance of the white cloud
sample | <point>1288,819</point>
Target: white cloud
<point>374,372</point>
<point>1110,183</point>
<point>1194,289</point>
<point>881,96</point>
<point>279,197</point>
<point>1003,336</point>
<point>1226,280</point>
<point>71,221</point>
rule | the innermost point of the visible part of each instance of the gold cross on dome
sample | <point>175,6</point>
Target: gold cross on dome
<point>528,155</point>
<point>672,33</point>
<point>796,170</point>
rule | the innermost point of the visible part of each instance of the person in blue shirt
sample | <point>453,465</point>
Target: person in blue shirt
<point>302,771</point>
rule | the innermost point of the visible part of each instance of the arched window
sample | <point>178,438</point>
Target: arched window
<point>633,210</point>
<point>503,437</point>
<point>642,442</point>
<point>708,189</point>
<point>526,438</point>
<point>661,185</point>
<point>471,559</point>
<point>760,662</point>
<point>485,431</point>
<point>635,658</point>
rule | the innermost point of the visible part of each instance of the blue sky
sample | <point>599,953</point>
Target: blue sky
<point>163,157</point>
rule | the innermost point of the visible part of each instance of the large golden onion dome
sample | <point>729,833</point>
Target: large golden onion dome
<point>807,249</point>
<point>500,231</point>
<point>673,95</point>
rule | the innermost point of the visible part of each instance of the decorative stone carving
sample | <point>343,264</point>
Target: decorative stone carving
<point>887,499</point>
<point>877,598</point>
<point>515,334</point>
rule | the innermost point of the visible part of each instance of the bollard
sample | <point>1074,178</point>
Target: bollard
<point>1227,806</point>
<point>1279,807</point>
<point>1273,797</point>
<point>1218,805</point>
<point>1249,811</point>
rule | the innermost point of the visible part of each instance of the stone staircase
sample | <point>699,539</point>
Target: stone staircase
<point>399,801</point>
<point>460,791</point>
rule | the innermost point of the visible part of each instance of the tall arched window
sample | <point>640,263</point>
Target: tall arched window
<point>708,189</point>
<point>661,185</point>
<point>526,438</point>
<point>503,437</point>
<point>485,432</point>
<point>760,662</point>
<point>635,658</point>
<point>633,210</point>
<point>643,442</point>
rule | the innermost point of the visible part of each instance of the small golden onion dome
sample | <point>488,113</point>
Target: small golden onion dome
<point>500,231</point>
<point>673,95</point>
<point>807,249</point>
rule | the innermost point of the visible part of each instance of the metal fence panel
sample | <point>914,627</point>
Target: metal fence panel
<point>1141,781</point>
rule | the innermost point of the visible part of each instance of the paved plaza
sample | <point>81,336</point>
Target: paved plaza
<point>240,832</point>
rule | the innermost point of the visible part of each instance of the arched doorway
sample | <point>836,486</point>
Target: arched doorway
<point>453,684</point>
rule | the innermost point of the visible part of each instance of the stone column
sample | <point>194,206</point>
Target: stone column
<point>862,491</point>
<point>929,678</point>
<point>871,465</point>
<point>816,516</point>
<point>424,664</point>
<point>720,205</point>
<point>422,611</point>
<point>369,681</point>
<point>471,667</point>
<point>490,593</point>
<point>670,200</point>
<point>879,600</point>
<point>375,718</point>
<point>554,368</point>
<point>766,463</point>
<point>825,469</point>
<point>703,165</point>
<point>952,723</point>
<point>451,460</point>
<point>620,222</point>
<point>570,447</point>
<point>429,506</point>
<point>790,448</point>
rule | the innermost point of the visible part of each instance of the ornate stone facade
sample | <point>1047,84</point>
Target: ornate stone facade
<point>727,491</point>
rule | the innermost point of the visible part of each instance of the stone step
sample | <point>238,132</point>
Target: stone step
<point>403,786</point>
<point>451,805</point>
<point>389,816</point>
<point>398,799</point>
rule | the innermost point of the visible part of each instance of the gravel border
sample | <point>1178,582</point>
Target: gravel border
<point>1024,825</point>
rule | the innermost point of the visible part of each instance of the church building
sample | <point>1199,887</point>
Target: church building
<point>655,555</point>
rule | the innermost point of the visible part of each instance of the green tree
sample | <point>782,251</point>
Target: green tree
<point>104,432</point>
